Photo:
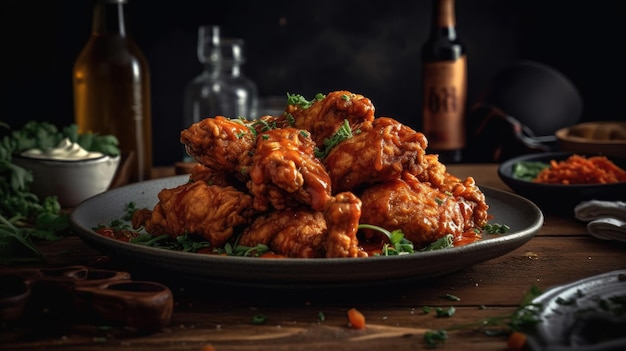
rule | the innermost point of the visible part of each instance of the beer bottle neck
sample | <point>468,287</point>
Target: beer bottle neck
<point>109,17</point>
<point>443,22</point>
<point>443,14</point>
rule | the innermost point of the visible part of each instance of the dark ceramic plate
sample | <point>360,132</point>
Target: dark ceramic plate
<point>557,197</point>
<point>524,218</point>
<point>585,315</point>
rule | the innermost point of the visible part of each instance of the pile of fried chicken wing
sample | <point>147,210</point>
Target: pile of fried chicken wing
<point>302,182</point>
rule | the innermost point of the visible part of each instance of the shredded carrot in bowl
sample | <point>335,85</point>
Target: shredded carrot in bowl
<point>578,169</point>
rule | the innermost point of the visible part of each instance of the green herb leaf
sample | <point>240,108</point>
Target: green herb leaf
<point>496,228</point>
<point>445,312</point>
<point>343,133</point>
<point>259,319</point>
<point>444,242</point>
<point>434,338</point>
<point>451,297</point>
<point>301,101</point>
<point>528,170</point>
<point>398,244</point>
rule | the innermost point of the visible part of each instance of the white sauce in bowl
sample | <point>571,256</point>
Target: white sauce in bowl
<point>66,150</point>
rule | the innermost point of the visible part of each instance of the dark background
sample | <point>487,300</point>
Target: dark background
<point>310,47</point>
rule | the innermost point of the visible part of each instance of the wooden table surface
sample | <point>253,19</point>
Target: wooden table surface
<point>218,317</point>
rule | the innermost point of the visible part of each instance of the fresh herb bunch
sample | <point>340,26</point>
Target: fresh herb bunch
<point>25,218</point>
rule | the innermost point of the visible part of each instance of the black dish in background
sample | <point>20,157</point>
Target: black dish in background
<point>558,198</point>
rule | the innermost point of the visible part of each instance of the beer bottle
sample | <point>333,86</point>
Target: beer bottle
<point>444,85</point>
<point>111,82</point>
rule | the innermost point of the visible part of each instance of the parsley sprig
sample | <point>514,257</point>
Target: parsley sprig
<point>301,101</point>
<point>397,245</point>
<point>496,228</point>
<point>344,132</point>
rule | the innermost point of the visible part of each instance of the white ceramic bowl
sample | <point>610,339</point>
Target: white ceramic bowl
<point>71,181</point>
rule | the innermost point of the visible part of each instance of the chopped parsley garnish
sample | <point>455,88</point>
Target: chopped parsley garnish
<point>451,297</point>
<point>444,242</point>
<point>434,338</point>
<point>240,250</point>
<point>398,244</point>
<point>344,132</point>
<point>320,316</point>
<point>445,312</point>
<point>301,101</point>
<point>259,319</point>
<point>496,228</point>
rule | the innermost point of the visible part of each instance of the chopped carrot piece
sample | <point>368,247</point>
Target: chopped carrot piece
<point>516,341</point>
<point>356,319</point>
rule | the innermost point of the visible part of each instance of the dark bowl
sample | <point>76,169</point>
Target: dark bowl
<point>559,198</point>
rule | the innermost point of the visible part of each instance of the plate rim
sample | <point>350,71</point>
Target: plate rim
<point>549,333</point>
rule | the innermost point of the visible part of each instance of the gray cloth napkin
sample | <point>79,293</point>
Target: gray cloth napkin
<point>606,219</point>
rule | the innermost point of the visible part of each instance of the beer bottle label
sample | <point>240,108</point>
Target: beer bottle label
<point>445,85</point>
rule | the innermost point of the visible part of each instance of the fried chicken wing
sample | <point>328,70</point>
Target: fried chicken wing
<point>210,211</point>
<point>292,233</point>
<point>380,151</point>
<point>295,183</point>
<point>324,117</point>
<point>424,213</point>
<point>200,172</point>
<point>221,144</point>
<point>437,175</point>
<point>342,214</point>
<point>285,172</point>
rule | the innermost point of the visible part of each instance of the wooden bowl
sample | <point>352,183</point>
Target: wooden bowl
<point>607,138</point>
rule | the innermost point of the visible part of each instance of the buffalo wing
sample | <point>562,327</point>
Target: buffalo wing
<point>379,150</point>
<point>285,172</point>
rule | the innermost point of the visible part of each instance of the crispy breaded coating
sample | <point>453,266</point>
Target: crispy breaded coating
<point>292,233</point>
<point>424,213</point>
<point>324,117</point>
<point>379,150</point>
<point>342,215</point>
<point>210,211</point>
<point>221,144</point>
<point>285,172</point>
